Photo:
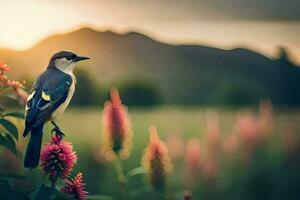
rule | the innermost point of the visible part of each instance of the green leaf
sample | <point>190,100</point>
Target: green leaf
<point>99,197</point>
<point>10,127</point>
<point>15,114</point>
<point>135,179</point>
<point>8,142</point>
<point>135,172</point>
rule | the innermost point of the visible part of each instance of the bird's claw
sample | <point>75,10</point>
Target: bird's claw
<point>57,131</point>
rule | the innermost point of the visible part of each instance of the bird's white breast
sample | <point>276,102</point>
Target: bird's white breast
<point>60,110</point>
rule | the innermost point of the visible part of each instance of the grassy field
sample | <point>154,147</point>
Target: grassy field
<point>83,127</point>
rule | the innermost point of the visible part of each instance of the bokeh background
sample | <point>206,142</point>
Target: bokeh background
<point>220,81</point>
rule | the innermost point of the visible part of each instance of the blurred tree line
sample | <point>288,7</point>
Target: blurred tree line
<point>249,86</point>
<point>133,92</point>
<point>238,86</point>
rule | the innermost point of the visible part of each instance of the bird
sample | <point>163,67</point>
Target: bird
<point>50,95</point>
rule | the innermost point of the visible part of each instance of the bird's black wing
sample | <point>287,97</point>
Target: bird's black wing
<point>46,97</point>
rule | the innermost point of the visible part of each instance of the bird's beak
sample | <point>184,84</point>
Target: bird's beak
<point>79,58</point>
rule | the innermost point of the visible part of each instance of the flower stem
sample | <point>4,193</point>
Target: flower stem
<point>121,177</point>
<point>53,180</point>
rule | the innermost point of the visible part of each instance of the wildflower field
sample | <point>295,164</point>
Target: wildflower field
<point>169,152</point>
<point>270,169</point>
<point>240,168</point>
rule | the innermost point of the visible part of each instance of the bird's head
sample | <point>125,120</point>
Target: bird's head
<point>65,60</point>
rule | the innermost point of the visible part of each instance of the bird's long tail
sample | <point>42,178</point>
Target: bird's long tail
<point>32,156</point>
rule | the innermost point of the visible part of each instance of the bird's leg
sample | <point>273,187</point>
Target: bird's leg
<point>57,130</point>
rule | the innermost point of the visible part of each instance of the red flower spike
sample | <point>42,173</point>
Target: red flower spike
<point>156,160</point>
<point>75,187</point>
<point>116,128</point>
<point>58,158</point>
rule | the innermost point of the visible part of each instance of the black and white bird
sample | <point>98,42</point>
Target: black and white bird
<point>50,96</point>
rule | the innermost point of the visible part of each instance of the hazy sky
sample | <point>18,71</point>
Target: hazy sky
<point>257,24</point>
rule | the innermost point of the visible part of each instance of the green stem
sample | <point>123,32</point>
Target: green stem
<point>121,177</point>
<point>53,180</point>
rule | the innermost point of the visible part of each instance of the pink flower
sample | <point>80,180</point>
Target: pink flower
<point>75,187</point>
<point>156,160</point>
<point>192,161</point>
<point>4,81</point>
<point>193,155</point>
<point>175,146</point>
<point>212,133</point>
<point>253,130</point>
<point>231,143</point>
<point>247,128</point>
<point>15,85</point>
<point>3,67</point>
<point>116,128</point>
<point>58,158</point>
<point>212,147</point>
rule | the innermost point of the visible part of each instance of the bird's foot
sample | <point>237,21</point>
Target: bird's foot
<point>57,131</point>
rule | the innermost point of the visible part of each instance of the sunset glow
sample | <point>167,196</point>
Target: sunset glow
<point>27,22</point>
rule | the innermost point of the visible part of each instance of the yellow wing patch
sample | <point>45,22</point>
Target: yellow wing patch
<point>45,96</point>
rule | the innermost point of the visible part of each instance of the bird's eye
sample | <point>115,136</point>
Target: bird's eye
<point>69,58</point>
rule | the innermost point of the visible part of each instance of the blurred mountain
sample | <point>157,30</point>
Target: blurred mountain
<point>189,74</point>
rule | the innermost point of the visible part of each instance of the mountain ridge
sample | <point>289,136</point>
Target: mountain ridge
<point>184,73</point>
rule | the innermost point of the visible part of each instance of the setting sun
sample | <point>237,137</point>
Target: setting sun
<point>24,23</point>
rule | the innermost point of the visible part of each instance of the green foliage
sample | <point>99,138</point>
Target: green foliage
<point>50,193</point>
<point>87,90</point>
<point>140,93</point>
<point>8,189</point>
<point>19,115</point>
<point>8,137</point>
<point>288,92</point>
<point>9,133</point>
<point>135,172</point>
<point>238,92</point>
<point>10,127</point>
<point>8,142</point>
<point>134,92</point>
<point>7,99</point>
